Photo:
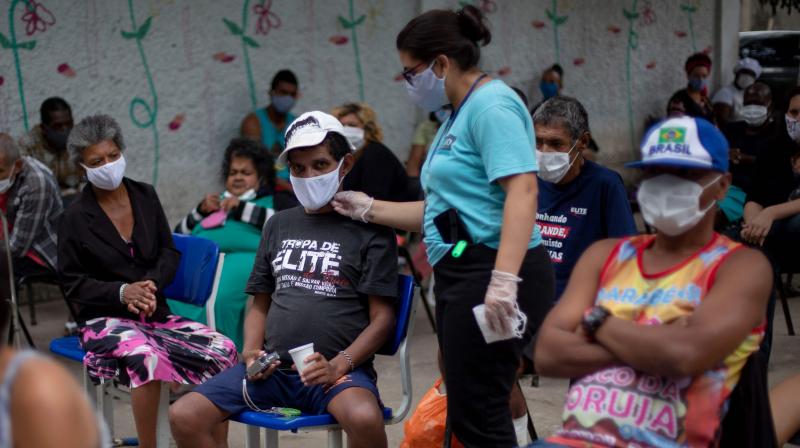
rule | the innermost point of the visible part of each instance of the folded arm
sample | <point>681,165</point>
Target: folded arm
<point>735,305</point>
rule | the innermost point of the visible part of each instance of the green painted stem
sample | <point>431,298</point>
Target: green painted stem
<point>15,51</point>
<point>628,82</point>
<point>555,32</point>
<point>691,31</point>
<point>251,85</point>
<point>354,38</point>
<point>150,111</point>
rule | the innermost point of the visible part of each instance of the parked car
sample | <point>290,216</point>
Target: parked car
<point>779,55</point>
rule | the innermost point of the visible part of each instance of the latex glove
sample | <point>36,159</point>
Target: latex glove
<point>501,301</point>
<point>353,204</point>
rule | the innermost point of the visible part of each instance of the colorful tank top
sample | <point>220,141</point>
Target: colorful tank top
<point>621,407</point>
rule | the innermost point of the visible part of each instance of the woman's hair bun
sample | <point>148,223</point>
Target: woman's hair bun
<point>473,25</point>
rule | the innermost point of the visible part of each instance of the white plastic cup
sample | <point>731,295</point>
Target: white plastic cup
<point>299,355</point>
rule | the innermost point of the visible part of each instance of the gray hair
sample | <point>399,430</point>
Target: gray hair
<point>9,148</point>
<point>91,131</point>
<point>564,111</point>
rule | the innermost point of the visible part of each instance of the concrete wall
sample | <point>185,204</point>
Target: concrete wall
<point>180,87</point>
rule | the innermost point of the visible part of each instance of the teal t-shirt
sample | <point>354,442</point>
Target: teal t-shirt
<point>490,138</point>
<point>270,136</point>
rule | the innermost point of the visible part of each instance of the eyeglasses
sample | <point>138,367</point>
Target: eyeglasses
<point>409,73</point>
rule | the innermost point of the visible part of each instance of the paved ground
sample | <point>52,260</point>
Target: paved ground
<point>545,401</point>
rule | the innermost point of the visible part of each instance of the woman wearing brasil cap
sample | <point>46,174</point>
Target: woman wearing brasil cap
<point>654,330</point>
<point>478,218</point>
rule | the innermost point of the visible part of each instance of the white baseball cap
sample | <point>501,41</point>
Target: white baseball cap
<point>310,129</point>
<point>748,64</point>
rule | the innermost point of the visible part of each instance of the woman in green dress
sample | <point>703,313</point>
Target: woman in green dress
<point>234,220</point>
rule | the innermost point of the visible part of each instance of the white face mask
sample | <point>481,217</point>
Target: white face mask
<point>6,183</point>
<point>354,135</point>
<point>246,196</point>
<point>672,204</point>
<point>107,177</point>
<point>793,128</point>
<point>553,166</point>
<point>744,81</point>
<point>427,91</point>
<point>754,115</point>
<point>316,192</point>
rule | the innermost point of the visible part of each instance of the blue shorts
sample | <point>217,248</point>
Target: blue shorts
<point>283,389</point>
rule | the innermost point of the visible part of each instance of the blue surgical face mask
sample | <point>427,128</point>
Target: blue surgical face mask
<point>698,84</point>
<point>549,89</point>
<point>283,103</point>
<point>427,90</point>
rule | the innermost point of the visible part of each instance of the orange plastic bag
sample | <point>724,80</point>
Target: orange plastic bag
<point>425,428</point>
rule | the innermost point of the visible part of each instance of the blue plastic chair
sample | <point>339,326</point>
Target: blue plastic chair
<point>397,343</point>
<point>195,282</point>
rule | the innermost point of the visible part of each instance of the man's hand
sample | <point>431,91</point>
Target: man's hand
<point>230,203</point>
<point>756,231</point>
<point>210,204</point>
<point>141,297</point>
<point>319,371</point>
<point>250,357</point>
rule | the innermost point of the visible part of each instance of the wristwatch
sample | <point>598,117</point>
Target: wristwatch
<point>593,318</point>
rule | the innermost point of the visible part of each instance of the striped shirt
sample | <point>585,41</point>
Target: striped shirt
<point>34,208</point>
<point>247,212</point>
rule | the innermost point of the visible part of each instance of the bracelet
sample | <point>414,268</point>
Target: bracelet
<point>348,359</point>
<point>122,293</point>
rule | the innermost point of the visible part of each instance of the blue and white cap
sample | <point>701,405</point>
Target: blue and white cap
<point>684,142</point>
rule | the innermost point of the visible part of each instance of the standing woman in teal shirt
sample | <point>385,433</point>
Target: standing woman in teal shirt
<point>478,219</point>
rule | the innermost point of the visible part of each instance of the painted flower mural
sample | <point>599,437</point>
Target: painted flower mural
<point>37,18</point>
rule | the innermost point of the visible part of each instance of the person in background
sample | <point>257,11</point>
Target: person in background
<point>759,132</point>
<point>654,330</point>
<point>377,171</point>
<point>234,220</point>
<point>423,137</point>
<point>792,116</point>
<point>694,96</point>
<point>47,143</point>
<point>318,277</point>
<point>115,257</point>
<point>729,100</point>
<point>30,198</point>
<point>550,84</point>
<point>479,219</point>
<point>41,404</point>
<point>268,124</point>
<point>772,211</point>
<point>580,202</point>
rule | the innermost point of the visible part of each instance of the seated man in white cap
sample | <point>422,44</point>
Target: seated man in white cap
<point>729,100</point>
<point>654,330</point>
<point>319,277</point>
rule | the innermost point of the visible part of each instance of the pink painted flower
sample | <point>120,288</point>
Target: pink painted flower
<point>338,39</point>
<point>223,57</point>
<point>66,70</point>
<point>579,61</point>
<point>538,24</point>
<point>681,34</point>
<point>503,71</point>
<point>37,18</point>
<point>176,122</point>
<point>614,29</point>
<point>651,65</point>
<point>267,19</point>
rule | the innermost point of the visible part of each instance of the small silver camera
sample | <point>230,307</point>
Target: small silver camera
<point>262,363</point>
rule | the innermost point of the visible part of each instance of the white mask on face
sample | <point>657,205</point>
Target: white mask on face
<point>354,135</point>
<point>107,177</point>
<point>754,115</point>
<point>793,128</point>
<point>553,166</point>
<point>427,91</point>
<point>672,204</point>
<point>316,192</point>
<point>6,183</point>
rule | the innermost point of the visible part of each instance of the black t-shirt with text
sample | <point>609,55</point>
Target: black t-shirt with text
<point>320,270</point>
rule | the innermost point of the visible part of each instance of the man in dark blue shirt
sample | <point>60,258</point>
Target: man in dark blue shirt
<point>580,202</point>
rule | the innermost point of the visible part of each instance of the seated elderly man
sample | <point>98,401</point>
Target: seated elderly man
<point>29,197</point>
<point>580,202</point>
<point>654,330</point>
<point>320,278</point>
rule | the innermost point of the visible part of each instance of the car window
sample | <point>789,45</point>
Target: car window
<point>772,51</point>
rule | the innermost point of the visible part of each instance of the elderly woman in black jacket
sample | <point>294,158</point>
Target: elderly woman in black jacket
<point>115,257</point>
